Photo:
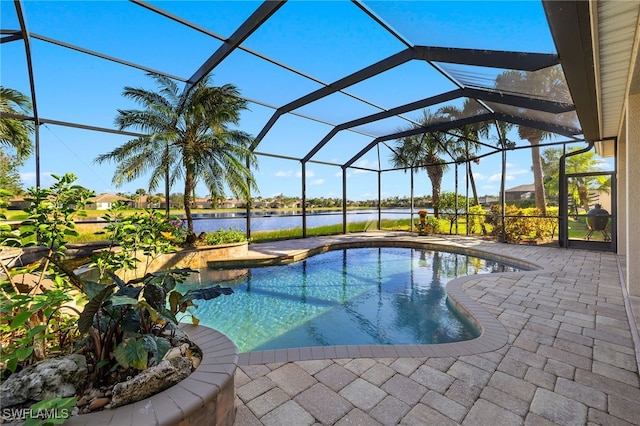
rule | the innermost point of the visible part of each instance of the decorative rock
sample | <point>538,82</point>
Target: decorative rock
<point>95,393</point>
<point>151,381</point>
<point>47,379</point>
<point>195,361</point>
<point>177,351</point>
<point>98,403</point>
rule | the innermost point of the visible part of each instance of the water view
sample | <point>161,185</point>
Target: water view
<point>277,219</point>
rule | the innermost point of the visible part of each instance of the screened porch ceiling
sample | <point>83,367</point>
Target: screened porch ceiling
<point>351,75</point>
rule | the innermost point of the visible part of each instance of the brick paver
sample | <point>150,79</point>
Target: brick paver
<point>569,357</point>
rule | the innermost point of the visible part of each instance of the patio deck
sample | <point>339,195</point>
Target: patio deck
<point>570,355</point>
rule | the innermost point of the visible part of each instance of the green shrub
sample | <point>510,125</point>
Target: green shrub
<point>148,232</point>
<point>222,236</point>
<point>34,318</point>
<point>522,224</point>
<point>477,219</point>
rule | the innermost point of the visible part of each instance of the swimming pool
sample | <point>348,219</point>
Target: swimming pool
<point>356,296</point>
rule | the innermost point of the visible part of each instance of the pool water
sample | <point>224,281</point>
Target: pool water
<point>357,296</point>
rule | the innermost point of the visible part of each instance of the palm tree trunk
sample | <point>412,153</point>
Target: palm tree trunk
<point>188,189</point>
<point>435,176</point>
<point>583,193</point>
<point>472,181</point>
<point>538,182</point>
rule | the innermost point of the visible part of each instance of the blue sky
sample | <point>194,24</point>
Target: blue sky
<point>325,40</point>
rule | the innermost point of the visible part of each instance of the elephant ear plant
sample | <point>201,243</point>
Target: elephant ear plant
<point>135,322</point>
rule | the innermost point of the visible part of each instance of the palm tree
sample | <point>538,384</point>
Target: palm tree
<point>423,151</point>
<point>550,84</point>
<point>188,137</point>
<point>13,132</point>
<point>534,136</point>
<point>468,135</point>
<point>579,187</point>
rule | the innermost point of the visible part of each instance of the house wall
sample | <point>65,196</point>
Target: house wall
<point>622,189</point>
<point>633,199</point>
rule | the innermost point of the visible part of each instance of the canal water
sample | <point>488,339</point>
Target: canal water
<point>273,220</point>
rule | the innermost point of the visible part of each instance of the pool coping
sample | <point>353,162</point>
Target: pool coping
<point>493,335</point>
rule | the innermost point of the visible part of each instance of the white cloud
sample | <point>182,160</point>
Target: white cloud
<point>479,176</point>
<point>497,176</point>
<point>603,164</point>
<point>29,179</point>
<point>518,171</point>
<point>317,182</point>
<point>310,173</point>
<point>291,173</point>
<point>511,173</point>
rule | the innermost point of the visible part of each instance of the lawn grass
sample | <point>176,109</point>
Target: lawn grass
<point>89,232</point>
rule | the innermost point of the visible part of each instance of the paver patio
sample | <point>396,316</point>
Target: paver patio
<point>570,358</point>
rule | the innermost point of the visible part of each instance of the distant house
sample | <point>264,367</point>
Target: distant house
<point>106,201</point>
<point>488,199</point>
<point>231,204</point>
<point>202,203</point>
<point>18,203</point>
<point>522,192</point>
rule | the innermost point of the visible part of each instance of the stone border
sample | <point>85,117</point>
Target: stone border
<point>493,334</point>
<point>192,257</point>
<point>207,396</point>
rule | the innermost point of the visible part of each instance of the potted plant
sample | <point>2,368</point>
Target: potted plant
<point>121,327</point>
<point>424,228</point>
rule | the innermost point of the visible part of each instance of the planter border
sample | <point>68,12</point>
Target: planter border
<point>207,396</point>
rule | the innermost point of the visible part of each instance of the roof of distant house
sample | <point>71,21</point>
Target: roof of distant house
<point>107,198</point>
<point>522,188</point>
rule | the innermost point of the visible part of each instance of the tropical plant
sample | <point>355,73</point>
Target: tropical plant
<point>187,136</point>
<point>522,224</point>
<point>129,322</point>
<point>35,320</point>
<point>548,83</point>
<point>14,132</point>
<point>476,220</point>
<point>424,151</point>
<point>9,175</point>
<point>126,326</point>
<point>146,234</point>
<point>579,187</point>
<point>451,205</point>
<point>38,413</point>
<point>222,236</point>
